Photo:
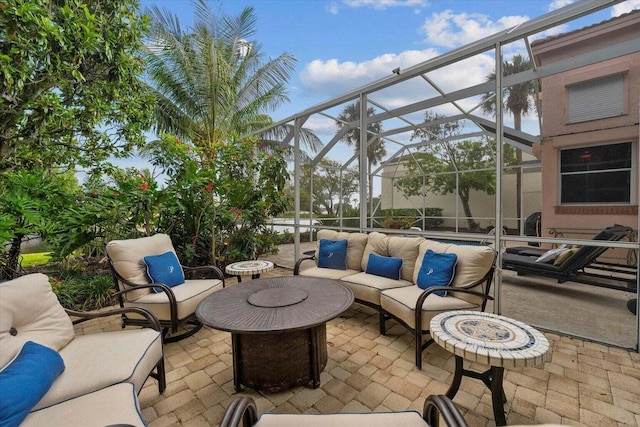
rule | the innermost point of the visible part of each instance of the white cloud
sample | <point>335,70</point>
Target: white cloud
<point>327,79</point>
<point>452,30</point>
<point>557,4</point>
<point>332,77</point>
<point>383,4</point>
<point>625,7</point>
<point>333,8</point>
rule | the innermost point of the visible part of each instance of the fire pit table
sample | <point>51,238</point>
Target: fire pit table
<point>278,328</point>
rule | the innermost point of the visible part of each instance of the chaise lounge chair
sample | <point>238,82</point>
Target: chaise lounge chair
<point>526,260</point>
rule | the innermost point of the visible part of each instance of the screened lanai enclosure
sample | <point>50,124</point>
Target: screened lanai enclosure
<point>539,153</point>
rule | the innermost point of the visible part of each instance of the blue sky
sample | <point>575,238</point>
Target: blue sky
<point>343,44</point>
<point>340,45</point>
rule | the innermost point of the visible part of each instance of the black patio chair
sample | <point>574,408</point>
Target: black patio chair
<point>523,261</point>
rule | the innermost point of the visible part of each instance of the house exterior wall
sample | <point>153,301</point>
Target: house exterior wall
<point>559,134</point>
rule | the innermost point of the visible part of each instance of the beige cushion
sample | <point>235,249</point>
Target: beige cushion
<point>401,302</point>
<point>188,296</point>
<point>355,245</point>
<point>28,305</point>
<point>371,419</point>
<point>367,287</point>
<point>127,257</point>
<point>406,248</point>
<point>328,273</point>
<point>377,243</point>
<point>474,261</point>
<point>99,360</point>
<point>117,404</point>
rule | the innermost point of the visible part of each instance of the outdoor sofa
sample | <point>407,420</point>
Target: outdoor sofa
<point>49,376</point>
<point>410,297</point>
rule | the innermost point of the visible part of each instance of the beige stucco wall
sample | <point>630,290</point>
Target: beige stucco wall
<point>482,205</point>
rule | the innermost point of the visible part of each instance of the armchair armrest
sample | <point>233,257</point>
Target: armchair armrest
<point>437,405</point>
<point>85,316</point>
<point>242,409</point>
<point>296,268</point>
<point>204,272</point>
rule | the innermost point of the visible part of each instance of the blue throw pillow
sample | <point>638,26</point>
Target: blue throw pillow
<point>26,380</point>
<point>165,269</point>
<point>333,254</point>
<point>384,266</point>
<point>437,269</point>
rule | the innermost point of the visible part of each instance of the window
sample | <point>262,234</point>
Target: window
<point>598,174</point>
<point>597,99</point>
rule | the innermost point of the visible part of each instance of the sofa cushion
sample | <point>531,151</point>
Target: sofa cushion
<point>188,296</point>
<point>99,360</point>
<point>327,273</point>
<point>127,258</point>
<point>401,302</point>
<point>367,287</point>
<point>370,419</point>
<point>25,380</point>
<point>384,266</point>
<point>164,268</point>
<point>114,405</point>
<point>30,311</point>
<point>332,254</point>
<point>437,269</point>
<point>377,244</point>
<point>355,247</point>
<point>406,248</point>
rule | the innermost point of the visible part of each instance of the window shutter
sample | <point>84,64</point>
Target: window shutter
<point>596,99</point>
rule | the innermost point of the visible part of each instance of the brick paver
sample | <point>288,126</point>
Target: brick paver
<point>581,383</point>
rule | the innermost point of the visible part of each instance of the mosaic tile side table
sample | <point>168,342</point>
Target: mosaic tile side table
<point>490,339</point>
<point>249,268</point>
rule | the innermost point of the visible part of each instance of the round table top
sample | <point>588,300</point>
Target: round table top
<point>489,338</point>
<point>274,304</point>
<point>243,268</point>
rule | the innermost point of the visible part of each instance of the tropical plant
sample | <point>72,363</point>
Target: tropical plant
<point>218,212</point>
<point>210,80</point>
<point>69,87</point>
<point>30,203</point>
<point>517,100</point>
<point>375,147</point>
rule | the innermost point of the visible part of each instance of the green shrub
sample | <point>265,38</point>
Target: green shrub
<point>83,291</point>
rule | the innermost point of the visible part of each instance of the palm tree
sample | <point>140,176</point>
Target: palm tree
<point>518,100</point>
<point>211,81</point>
<point>375,149</point>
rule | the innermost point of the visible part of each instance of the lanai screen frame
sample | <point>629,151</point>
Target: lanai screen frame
<point>520,140</point>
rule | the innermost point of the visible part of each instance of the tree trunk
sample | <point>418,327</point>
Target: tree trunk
<point>10,270</point>
<point>464,198</point>
<point>517,122</point>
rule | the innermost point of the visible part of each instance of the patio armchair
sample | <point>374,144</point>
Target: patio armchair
<point>51,375</point>
<point>243,412</point>
<point>177,290</point>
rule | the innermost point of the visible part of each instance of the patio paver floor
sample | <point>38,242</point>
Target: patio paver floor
<point>581,383</point>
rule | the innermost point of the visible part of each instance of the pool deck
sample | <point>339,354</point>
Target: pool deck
<point>580,383</point>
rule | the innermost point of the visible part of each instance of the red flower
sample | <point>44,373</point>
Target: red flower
<point>144,186</point>
<point>209,188</point>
